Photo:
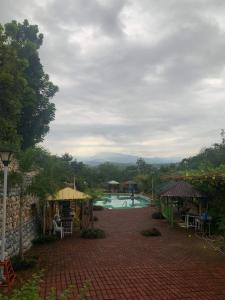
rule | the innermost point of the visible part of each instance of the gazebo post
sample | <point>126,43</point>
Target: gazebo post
<point>200,208</point>
<point>91,214</point>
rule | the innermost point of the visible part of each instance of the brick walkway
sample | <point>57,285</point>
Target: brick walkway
<point>127,265</point>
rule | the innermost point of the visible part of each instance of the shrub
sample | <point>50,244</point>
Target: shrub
<point>157,203</point>
<point>44,239</point>
<point>95,233</point>
<point>23,264</point>
<point>98,207</point>
<point>151,232</point>
<point>221,225</point>
<point>157,215</point>
<point>30,291</point>
<point>76,220</point>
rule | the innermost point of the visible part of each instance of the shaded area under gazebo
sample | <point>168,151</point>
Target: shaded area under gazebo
<point>113,186</point>
<point>181,199</point>
<point>70,205</point>
<point>129,186</point>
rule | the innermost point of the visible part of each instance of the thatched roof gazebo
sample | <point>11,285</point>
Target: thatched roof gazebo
<point>181,189</point>
<point>129,186</point>
<point>113,186</point>
<point>67,202</point>
<point>69,194</point>
<point>180,195</point>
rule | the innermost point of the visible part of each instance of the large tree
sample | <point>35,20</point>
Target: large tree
<point>35,111</point>
<point>12,86</point>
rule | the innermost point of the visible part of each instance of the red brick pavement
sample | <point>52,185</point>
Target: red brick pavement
<point>127,265</point>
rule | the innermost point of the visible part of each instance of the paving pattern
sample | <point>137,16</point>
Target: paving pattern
<point>127,265</point>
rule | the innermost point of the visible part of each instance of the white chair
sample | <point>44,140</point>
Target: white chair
<point>57,228</point>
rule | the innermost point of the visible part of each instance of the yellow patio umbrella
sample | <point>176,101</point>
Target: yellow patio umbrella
<point>68,194</point>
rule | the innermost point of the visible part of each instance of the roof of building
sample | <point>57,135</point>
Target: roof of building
<point>182,189</point>
<point>129,182</point>
<point>113,182</point>
<point>69,194</point>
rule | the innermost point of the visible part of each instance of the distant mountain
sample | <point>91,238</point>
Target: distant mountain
<point>120,158</point>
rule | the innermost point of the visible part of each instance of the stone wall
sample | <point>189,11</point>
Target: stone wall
<point>29,228</point>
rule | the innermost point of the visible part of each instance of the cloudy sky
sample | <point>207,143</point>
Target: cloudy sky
<point>142,77</point>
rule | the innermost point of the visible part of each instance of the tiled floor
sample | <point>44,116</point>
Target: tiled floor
<point>127,265</point>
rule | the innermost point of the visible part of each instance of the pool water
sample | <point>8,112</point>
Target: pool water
<point>112,201</point>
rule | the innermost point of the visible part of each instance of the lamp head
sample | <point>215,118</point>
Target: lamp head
<point>5,156</point>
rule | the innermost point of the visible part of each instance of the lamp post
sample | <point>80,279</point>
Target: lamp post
<point>186,166</point>
<point>5,157</point>
<point>152,186</point>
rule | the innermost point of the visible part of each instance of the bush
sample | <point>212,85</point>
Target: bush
<point>151,232</point>
<point>23,264</point>
<point>220,224</point>
<point>30,291</point>
<point>44,239</point>
<point>98,207</point>
<point>157,215</point>
<point>93,234</point>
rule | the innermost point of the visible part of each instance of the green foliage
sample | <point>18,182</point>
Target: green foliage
<point>151,232</point>
<point>12,84</point>
<point>144,182</point>
<point>84,290</point>
<point>23,263</point>
<point>143,167</point>
<point>53,174</point>
<point>26,110</point>
<point>221,224</point>
<point>157,203</point>
<point>208,158</point>
<point>76,221</point>
<point>32,158</point>
<point>95,233</point>
<point>108,171</point>
<point>30,291</point>
<point>95,178</point>
<point>44,239</point>
<point>94,193</point>
<point>67,157</point>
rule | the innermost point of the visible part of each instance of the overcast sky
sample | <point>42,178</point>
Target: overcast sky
<point>143,77</point>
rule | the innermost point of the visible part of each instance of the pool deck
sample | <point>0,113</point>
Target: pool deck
<point>127,265</point>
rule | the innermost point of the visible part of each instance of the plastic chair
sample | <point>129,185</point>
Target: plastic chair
<point>57,228</point>
<point>68,226</point>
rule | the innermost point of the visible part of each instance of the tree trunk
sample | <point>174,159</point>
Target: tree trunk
<point>44,218</point>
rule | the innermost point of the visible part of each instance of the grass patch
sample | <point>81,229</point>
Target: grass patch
<point>31,291</point>
<point>151,232</point>
<point>95,233</point>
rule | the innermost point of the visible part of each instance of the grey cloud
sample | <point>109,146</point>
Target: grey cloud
<point>83,12</point>
<point>132,90</point>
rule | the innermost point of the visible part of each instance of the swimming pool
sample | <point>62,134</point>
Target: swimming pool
<point>112,201</point>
